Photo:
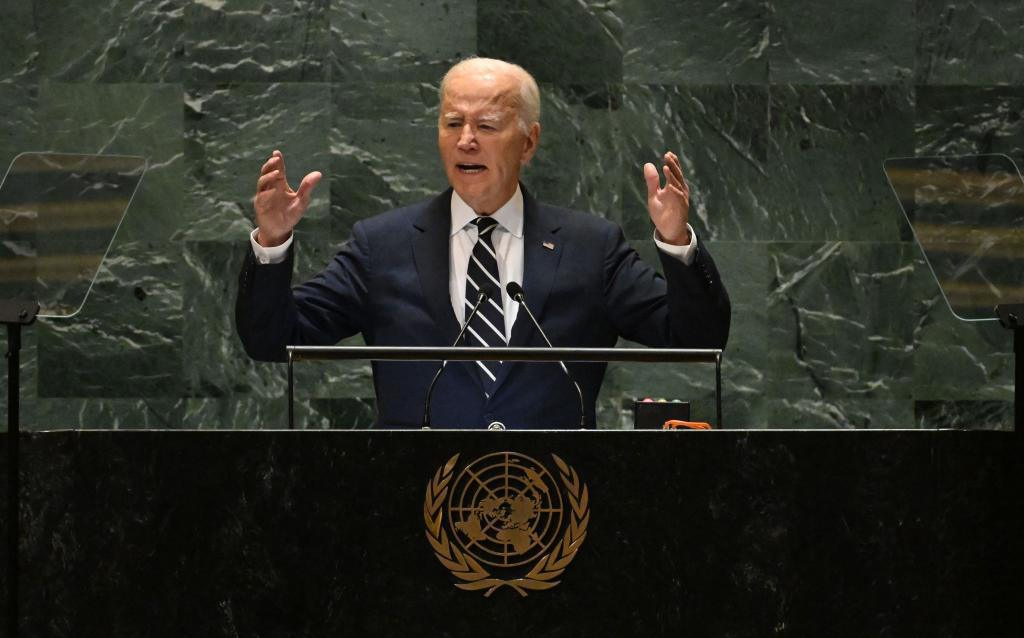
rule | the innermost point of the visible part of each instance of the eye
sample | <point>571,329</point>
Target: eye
<point>487,127</point>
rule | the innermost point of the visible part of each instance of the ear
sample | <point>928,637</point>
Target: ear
<point>530,144</point>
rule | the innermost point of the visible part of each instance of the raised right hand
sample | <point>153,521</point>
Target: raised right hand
<point>278,208</point>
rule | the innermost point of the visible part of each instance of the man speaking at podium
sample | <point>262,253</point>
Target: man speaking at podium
<point>412,276</point>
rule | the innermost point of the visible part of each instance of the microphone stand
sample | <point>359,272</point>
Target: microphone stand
<point>481,297</point>
<point>515,291</point>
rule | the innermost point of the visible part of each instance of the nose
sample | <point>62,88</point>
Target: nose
<point>467,138</point>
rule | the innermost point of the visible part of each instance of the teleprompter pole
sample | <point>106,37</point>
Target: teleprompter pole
<point>14,314</point>
<point>1011,316</point>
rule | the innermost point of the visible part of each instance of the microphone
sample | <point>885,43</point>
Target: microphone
<point>515,291</point>
<point>481,297</point>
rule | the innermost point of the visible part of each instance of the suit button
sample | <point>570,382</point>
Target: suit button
<point>496,425</point>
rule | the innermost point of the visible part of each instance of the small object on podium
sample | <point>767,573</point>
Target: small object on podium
<point>675,424</point>
<point>651,414</point>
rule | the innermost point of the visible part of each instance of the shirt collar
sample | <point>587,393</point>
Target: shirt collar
<point>509,216</point>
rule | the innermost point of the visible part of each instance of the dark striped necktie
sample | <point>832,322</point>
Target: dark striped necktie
<point>487,328</point>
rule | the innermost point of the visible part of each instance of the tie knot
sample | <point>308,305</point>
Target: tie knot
<point>484,225</point>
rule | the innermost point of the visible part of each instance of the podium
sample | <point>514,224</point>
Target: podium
<point>413,533</point>
<point>721,533</point>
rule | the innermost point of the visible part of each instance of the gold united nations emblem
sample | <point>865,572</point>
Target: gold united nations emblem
<point>506,520</point>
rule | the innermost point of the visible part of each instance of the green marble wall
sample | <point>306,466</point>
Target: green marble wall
<point>782,111</point>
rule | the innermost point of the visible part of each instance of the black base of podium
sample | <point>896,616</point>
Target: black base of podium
<point>723,533</point>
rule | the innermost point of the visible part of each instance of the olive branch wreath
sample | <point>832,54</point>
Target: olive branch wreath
<point>466,568</point>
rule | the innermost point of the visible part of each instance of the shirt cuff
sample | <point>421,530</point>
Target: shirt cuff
<point>272,255</point>
<point>685,254</point>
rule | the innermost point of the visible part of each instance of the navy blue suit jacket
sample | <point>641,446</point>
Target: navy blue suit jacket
<point>390,283</point>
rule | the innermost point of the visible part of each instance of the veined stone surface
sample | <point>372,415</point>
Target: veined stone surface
<point>978,43</point>
<point>721,136</point>
<point>109,413</point>
<point>824,42</point>
<point>230,131</point>
<point>579,162</point>
<point>215,363</point>
<point>383,149</point>
<point>699,42</point>
<point>19,48</point>
<point>779,163</point>
<point>562,42</point>
<point>782,114</point>
<point>400,40</point>
<point>19,103</point>
<point>257,40</point>
<point>124,119</point>
<point>968,120</point>
<point>111,41</point>
<point>127,339</point>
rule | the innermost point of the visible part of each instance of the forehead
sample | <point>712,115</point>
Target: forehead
<point>480,91</point>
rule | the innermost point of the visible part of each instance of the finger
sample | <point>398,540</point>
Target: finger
<point>309,182</point>
<point>651,177</point>
<point>670,179</point>
<point>685,195</point>
<point>269,165</point>
<point>673,173</point>
<point>677,169</point>
<point>268,181</point>
<point>280,157</point>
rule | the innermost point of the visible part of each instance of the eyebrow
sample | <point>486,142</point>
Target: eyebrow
<point>486,117</point>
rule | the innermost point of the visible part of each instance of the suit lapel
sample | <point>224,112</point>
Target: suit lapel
<point>542,250</point>
<point>430,251</point>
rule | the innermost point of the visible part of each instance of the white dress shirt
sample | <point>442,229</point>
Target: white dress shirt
<point>507,238</point>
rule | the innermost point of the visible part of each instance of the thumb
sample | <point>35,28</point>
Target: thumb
<point>308,183</point>
<point>651,177</point>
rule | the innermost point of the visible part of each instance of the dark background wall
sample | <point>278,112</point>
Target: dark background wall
<point>782,111</point>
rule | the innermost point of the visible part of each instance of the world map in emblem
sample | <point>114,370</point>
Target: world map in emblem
<point>506,509</point>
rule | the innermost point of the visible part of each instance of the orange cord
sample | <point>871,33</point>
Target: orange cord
<point>675,424</point>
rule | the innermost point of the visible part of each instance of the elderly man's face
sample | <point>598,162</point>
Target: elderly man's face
<point>482,145</point>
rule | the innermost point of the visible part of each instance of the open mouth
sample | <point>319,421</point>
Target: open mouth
<point>471,169</point>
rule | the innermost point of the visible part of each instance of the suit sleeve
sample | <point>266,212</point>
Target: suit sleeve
<point>687,308</point>
<point>270,314</point>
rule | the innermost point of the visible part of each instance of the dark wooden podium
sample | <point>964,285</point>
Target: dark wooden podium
<point>722,533</point>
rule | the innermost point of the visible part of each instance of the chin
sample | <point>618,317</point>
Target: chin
<point>477,200</point>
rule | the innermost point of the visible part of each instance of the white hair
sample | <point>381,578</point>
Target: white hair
<point>528,104</point>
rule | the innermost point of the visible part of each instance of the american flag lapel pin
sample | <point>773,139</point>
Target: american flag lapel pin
<point>548,245</point>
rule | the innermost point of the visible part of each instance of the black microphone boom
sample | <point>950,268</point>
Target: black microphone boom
<point>481,297</point>
<point>515,291</point>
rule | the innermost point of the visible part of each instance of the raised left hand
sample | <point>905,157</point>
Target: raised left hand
<point>669,207</point>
